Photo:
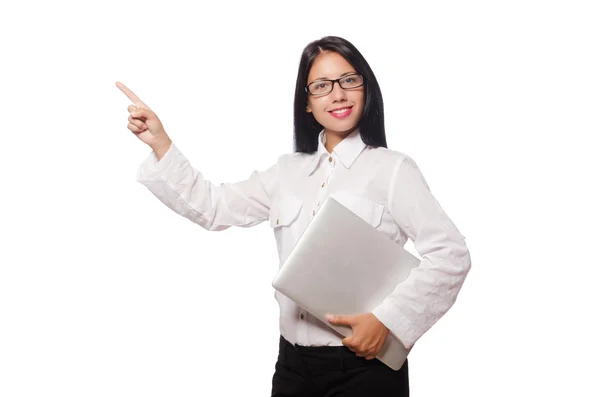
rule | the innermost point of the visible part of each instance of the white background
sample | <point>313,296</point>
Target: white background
<point>104,291</point>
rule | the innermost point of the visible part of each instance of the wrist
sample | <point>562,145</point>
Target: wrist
<point>161,147</point>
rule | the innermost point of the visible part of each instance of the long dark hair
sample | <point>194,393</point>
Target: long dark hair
<point>306,127</point>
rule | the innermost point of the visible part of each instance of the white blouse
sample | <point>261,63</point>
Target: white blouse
<point>382,186</point>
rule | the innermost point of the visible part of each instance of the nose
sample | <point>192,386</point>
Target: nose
<point>338,93</point>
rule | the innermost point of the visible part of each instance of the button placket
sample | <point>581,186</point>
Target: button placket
<point>322,189</point>
<point>305,326</point>
<point>320,198</point>
<point>324,185</point>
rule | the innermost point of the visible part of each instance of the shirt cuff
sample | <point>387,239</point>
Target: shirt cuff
<point>151,168</point>
<point>396,322</point>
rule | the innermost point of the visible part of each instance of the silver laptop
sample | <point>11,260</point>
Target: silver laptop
<point>342,265</point>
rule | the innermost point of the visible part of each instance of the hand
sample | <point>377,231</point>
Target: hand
<point>368,333</point>
<point>144,123</point>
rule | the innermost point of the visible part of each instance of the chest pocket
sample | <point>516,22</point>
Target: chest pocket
<point>284,220</point>
<point>369,210</point>
<point>285,211</point>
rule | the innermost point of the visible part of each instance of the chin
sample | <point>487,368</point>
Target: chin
<point>342,127</point>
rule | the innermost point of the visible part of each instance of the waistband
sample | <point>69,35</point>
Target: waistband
<point>312,359</point>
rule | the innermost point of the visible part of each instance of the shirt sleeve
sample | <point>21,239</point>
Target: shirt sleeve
<point>431,288</point>
<point>182,188</point>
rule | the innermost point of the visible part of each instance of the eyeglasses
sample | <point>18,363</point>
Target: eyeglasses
<point>324,87</point>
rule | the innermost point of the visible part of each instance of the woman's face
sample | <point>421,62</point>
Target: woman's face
<point>349,103</point>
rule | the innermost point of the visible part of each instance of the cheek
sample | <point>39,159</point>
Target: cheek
<point>318,109</point>
<point>360,99</point>
<point>318,104</point>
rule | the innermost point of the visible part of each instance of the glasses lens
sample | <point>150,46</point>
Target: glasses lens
<point>351,81</point>
<point>319,87</point>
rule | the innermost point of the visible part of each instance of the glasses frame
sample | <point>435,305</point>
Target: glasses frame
<point>362,78</point>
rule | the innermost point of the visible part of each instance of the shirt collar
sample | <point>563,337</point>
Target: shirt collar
<point>347,150</point>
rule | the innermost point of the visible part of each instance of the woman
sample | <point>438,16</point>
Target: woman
<point>340,149</point>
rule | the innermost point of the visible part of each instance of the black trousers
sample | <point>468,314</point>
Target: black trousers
<point>328,371</point>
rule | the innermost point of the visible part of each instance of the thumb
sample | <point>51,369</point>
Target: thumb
<point>342,320</point>
<point>143,113</point>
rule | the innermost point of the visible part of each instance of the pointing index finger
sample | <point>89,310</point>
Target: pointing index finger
<point>132,97</point>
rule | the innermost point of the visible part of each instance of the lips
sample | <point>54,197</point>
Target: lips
<point>341,113</point>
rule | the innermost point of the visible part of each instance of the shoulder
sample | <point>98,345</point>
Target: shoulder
<point>388,157</point>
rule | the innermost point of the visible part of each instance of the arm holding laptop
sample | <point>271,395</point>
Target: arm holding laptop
<point>431,288</point>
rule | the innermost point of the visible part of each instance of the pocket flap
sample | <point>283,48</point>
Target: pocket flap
<point>369,210</point>
<point>285,211</point>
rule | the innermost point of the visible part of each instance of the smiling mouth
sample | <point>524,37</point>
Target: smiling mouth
<point>341,113</point>
<point>340,110</point>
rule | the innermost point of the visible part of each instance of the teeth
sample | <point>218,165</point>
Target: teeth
<point>340,110</point>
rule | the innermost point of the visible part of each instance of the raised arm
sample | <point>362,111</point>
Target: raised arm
<point>184,189</point>
<point>171,178</point>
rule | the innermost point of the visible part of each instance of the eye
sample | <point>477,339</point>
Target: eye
<point>320,87</point>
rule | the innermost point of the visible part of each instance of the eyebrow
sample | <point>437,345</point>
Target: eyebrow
<point>341,75</point>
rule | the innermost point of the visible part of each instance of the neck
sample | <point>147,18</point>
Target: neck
<point>332,141</point>
<point>334,137</point>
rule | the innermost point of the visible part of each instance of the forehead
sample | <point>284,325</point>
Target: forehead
<point>329,65</point>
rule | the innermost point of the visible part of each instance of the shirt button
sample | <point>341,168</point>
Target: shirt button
<point>302,316</point>
<point>278,221</point>
<point>323,184</point>
<point>314,212</point>
<point>330,159</point>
